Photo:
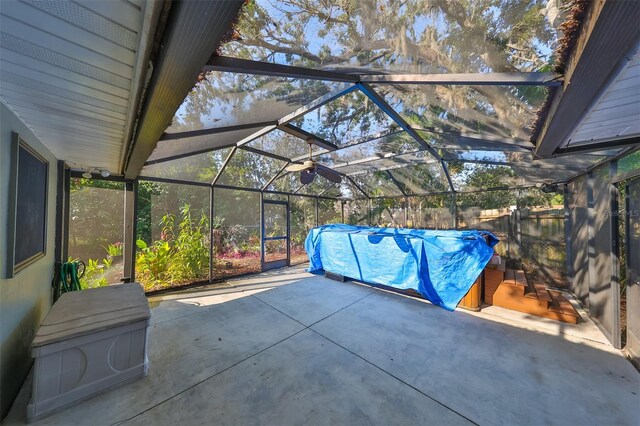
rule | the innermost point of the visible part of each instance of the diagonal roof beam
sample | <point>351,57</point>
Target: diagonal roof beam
<point>380,102</point>
<point>256,135</point>
<point>224,165</point>
<point>326,189</point>
<point>307,137</point>
<point>475,79</point>
<point>244,66</point>
<point>353,182</point>
<point>214,130</point>
<point>326,98</point>
<point>264,153</point>
<point>395,182</point>
<point>471,138</point>
<point>266,185</point>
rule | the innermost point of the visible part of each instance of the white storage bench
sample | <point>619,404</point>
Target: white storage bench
<point>91,341</point>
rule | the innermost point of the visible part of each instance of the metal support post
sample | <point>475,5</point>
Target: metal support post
<point>567,237</point>
<point>211,234</point>
<point>130,218</point>
<point>261,231</point>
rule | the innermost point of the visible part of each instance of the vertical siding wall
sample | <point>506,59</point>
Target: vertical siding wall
<point>26,298</point>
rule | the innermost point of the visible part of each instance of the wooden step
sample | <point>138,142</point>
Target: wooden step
<point>514,293</point>
<point>555,306</point>
<point>530,292</point>
<point>564,304</point>
<point>567,307</point>
<point>521,278</point>
<point>508,297</point>
<point>513,297</point>
<point>541,291</point>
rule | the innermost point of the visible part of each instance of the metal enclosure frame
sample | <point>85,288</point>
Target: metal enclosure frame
<point>633,271</point>
<point>267,265</point>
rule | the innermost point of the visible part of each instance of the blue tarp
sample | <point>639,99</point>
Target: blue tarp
<point>440,265</point>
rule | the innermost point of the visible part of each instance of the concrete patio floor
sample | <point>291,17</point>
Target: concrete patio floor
<point>287,347</point>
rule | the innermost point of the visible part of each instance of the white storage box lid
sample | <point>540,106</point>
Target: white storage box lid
<point>79,313</point>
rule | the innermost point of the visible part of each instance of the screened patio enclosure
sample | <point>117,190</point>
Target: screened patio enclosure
<point>430,121</point>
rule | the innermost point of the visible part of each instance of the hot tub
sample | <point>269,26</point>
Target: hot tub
<point>441,265</point>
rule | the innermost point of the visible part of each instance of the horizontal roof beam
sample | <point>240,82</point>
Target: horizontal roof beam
<point>244,66</point>
<point>355,142</point>
<point>536,164</point>
<point>383,156</point>
<point>307,137</point>
<point>381,169</point>
<point>461,192</point>
<point>475,79</point>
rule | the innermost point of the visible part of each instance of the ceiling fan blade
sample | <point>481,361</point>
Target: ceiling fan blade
<point>296,167</point>
<point>306,176</point>
<point>331,175</point>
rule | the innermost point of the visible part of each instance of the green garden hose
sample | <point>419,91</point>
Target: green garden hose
<point>67,278</point>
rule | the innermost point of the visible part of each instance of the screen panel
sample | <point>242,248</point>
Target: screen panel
<point>302,213</point>
<point>579,244</point>
<point>222,99</point>
<point>173,235</point>
<point>603,268</point>
<point>236,232</point>
<point>633,268</point>
<point>96,229</point>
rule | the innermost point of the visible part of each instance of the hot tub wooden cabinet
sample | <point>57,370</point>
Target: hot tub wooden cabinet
<point>91,341</point>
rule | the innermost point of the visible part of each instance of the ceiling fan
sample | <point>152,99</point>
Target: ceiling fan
<point>309,168</point>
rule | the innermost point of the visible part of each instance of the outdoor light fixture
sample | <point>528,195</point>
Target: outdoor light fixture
<point>105,173</point>
<point>548,188</point>
<point>87,174</point>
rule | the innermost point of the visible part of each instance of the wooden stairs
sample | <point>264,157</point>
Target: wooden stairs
<point>509,289</point>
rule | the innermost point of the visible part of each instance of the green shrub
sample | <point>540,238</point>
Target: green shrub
<point>181,254</point>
